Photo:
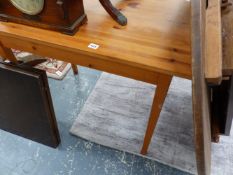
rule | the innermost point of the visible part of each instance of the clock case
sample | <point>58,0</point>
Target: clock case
<point>65,16</point>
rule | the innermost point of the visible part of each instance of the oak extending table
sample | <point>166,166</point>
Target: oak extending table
<point>153,47</point>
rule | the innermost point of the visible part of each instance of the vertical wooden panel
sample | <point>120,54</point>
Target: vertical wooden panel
<point>200,94</point>
<point>213,59</point>
<point>227,40</point>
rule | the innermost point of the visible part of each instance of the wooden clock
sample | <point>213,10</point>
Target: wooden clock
<point>60,15</point>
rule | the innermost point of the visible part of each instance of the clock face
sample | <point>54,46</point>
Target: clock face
<point>30,7</point>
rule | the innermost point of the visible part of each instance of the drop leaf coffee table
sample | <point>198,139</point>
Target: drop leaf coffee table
<point>153,47</point>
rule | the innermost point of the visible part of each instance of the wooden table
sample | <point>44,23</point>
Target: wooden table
<point>153,47</point>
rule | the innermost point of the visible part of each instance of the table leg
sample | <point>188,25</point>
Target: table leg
<point>159,98</point>
<point>7,53</point>
<point>75,69</point>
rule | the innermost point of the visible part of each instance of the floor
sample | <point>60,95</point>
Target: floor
<point>74,156</point>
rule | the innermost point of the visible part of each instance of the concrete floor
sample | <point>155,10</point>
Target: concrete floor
<point>74,156</point>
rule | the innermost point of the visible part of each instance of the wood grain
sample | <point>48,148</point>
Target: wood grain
<point>227,25</point>
<point>164,82</point>
<point>158,40</point>
<point>153,45</point>
<point>200,95</point>
<point>213,59</point>
<point>84,60</point>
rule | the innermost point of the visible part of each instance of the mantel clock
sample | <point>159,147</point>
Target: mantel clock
<point>60,15</point>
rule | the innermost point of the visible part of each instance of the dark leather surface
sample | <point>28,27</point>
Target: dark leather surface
<point>25,104</point>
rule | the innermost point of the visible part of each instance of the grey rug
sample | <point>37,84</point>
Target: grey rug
<point>116,115</point>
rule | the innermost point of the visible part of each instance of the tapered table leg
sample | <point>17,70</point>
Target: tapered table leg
<point>7,53</point>
<point>75,69</point>
<point>159,98</point>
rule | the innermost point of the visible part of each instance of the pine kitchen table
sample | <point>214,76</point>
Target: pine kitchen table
<point>153,47</point>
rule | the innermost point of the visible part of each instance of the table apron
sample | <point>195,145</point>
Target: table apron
<point>113,67</point>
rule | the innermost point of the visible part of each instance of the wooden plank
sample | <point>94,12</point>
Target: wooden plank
<point>158,40</point>
<point>83,60</point>
<point>200,95</point>
<point>213,59</point>
<point>227,39</point>
<point>227,25</point>
<point>7,53</point>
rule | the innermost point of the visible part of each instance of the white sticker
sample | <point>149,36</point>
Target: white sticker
<point>59,73</point>
<point>7,61</point>
<point>93,46</point>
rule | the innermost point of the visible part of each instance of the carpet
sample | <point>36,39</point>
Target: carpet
<point>116,114</point>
